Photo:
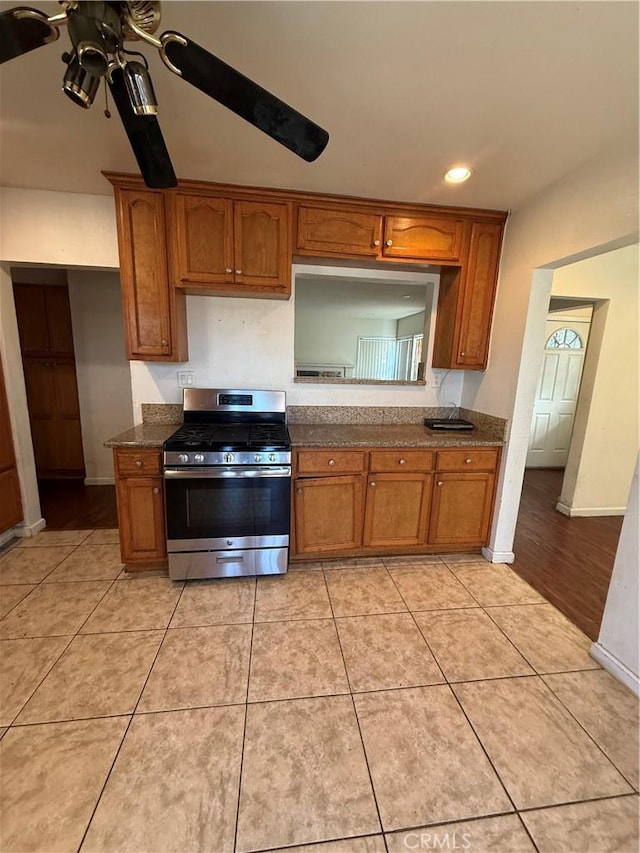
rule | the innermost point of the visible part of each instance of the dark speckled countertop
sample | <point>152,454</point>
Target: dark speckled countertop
<point>386,435</point>
<point>143,435</point>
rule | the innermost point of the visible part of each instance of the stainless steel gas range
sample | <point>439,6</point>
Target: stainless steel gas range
<point>227,477</point>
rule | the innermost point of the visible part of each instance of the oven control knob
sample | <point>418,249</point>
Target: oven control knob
<point>183,457</point>
<point>257,457</point>
<point>273,457</point>
<point>199,457</point>
<point>228,458</point>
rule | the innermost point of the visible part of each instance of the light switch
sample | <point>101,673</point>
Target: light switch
<point>186,379</point>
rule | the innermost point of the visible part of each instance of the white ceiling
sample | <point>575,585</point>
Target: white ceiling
<point>521,91</point>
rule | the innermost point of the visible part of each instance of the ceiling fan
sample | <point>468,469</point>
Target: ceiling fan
<point>98,33</point>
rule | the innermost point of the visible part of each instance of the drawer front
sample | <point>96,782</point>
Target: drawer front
<point>132,463</point>
<point>403,461</point>
<point>472,459</point>
<point>331,461</point>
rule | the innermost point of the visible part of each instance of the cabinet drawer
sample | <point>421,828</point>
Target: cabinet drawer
<point>331,461</point>
<point>467,460</point>
<point>401,460</point>
<point>131,463</point>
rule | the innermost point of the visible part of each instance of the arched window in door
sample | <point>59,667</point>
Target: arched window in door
<point>564,339</point>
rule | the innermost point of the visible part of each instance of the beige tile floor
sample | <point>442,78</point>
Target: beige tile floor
<point>346,707</point>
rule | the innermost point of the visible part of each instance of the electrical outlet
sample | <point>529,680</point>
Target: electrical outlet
<point>436,380</point>
<point>186,379</point>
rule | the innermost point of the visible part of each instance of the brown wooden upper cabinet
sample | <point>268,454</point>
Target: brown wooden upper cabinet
<point>323,231</point>
<point>465,303</point>
<point>226,246</point>
<point>154,313</point>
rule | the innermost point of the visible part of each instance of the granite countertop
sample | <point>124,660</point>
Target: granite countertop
<point>386,435</point>
<point>143,435</point>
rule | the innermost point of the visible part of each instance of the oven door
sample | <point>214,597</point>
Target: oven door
<point>238,507</point>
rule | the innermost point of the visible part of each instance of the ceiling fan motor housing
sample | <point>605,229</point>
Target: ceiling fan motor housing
<point>145,14</point>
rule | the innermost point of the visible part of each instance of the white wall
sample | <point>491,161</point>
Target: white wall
<point>412,325</point>
<point>589,211</point>
<point>102,369</point>
<point>596,479</point>
<point>326,337</point>
<point>618,646</point>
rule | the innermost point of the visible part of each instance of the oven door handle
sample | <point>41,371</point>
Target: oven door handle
<point>225,473</point>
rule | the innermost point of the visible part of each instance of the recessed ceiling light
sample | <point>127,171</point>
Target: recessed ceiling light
<point>457,174</point>
<point>407,296</point>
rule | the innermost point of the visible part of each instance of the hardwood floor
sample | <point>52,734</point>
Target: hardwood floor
<point>568,560</point>
<point>70,505</point>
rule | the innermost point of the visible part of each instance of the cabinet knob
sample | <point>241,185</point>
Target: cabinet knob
<point>389,243</point>
<point>440,483</point>
<point>228,269</point>
<point>139,463</point>
<point>468,461</point>
<point>164,343</point>
<point>298,491</point>
<point>376,242</point>
<point>238,272</point>
<point>156,490</point>
<point>331,462</point>
<point>403,462</point>
<point>372,485</point>
<point>462,354</point>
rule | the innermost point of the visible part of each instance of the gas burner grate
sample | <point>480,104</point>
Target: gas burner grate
<point>268,435</point>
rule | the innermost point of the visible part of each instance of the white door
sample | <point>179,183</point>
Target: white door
<point>557,394</point>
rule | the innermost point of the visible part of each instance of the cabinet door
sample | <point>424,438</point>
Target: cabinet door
<point>154,315</point>
<point>68,429</point>
<point>141,518</point>
<point>461,509</point>
<point>478,295</point>
<point>41,399</point>
<point>423,238</point>
<point>338,232</point>
<point>11,504</point>
<point>262,246</point>
<point>203,234</point>
<point>397,509</point>
<point>59,321</point>
<point>328,514</point>
<point>31,312</point>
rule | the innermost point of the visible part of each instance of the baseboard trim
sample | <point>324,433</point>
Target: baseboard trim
<point>615,667</point>
<point>585,511</point>
<point>22,531</point>
<point>498,556</point>
<point>99,481</point>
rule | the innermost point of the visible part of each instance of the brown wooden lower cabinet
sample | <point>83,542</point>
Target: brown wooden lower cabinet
<point>328,514</point>
<point>397,509</point>
<point>411,501</point>
<point>140,498</point>
<point>461,509</point>
<point>10,501</point>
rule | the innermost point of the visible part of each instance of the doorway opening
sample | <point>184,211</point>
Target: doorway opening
<point>78,389</point>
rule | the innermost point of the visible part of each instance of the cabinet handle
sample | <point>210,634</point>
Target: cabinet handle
<point>389,243</point>
<point>331,462</point>
<point>468,461</point>
<point>462,354</point>
<point>372,485</point>
<point>164,343</point>
<point>139,463</point>
<point>238,272</point>
<point>376,242</point>
<point>439,483</point>
<point>156,491</point>
<point>228,269</point>
<point>402,462</point>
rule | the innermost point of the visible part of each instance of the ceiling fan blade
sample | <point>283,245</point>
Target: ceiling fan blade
<point>244,97</point>
<point>145,137</point>
<point>23,29</point>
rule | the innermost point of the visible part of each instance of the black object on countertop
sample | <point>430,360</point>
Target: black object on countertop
<point>448,424</point>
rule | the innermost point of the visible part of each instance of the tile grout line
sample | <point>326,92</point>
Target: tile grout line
<point>128,726</point>
<point>246,714</point>
<point>355,714</point>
